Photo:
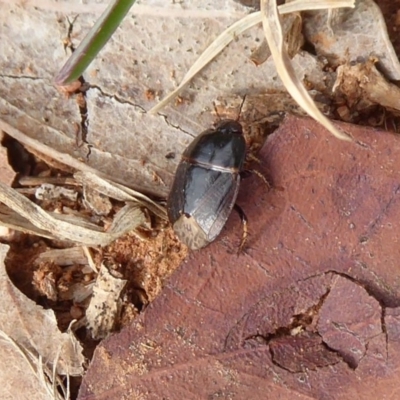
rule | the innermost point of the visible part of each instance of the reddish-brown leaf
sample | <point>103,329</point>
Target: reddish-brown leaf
<point>310,309</point>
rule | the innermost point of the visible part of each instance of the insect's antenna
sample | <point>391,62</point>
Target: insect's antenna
<point>241,106</point>
<point>216,111</point>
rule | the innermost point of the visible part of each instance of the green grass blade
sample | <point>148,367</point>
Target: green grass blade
<point>94,41</point>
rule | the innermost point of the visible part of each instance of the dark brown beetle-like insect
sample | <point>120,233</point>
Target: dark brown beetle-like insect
<point>206,185</point>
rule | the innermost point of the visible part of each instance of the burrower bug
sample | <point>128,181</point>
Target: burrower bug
<point>206,185</point>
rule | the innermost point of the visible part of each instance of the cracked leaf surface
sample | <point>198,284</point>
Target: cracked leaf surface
<point>321,265</point>
<point>146,58</point>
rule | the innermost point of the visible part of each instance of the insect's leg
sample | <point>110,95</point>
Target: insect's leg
<point>244,220</point>
<point>247,172</point>
<point>251,157</point>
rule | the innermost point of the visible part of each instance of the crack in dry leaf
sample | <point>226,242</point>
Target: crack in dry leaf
<point>383,212</point>
<point>301,320</point>
<point>31,78</point>
<point>384,297</point>
<point>381,302</point>
<point>385,331</point>
<point>81,135</point>
<point>167,121</point>
<point>84,111</point>
<point>300,215</point>
<point>68,40</point>
<point>141,109</point>
<point>117,98</point>
<point>307,319</point>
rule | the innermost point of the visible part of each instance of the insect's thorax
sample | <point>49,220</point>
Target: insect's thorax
<point>217,150</point>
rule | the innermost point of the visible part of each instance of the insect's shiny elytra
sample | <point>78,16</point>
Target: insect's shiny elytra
<point>206,184</point>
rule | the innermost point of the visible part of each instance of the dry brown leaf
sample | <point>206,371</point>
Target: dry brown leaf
<point>363,85</point>
<point>127,144</point>
<point>63,257</point>
<point>310,310</point>
<point>293,37</point>
<point>247,22</point>
<point>353,35</point>
<point>69,227</point>
<point>118,192</point>
<point>104,306</point>
<point>35,328</point>
<point>293,84</point>
<point>13,220</point>
<point>24,376</point>
<point>47,191</point>
<point>95,201</point>
<point>7,174</point>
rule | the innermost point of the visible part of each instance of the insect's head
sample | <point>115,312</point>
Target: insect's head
<point>229,127</point>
